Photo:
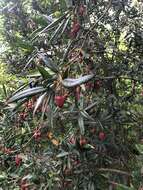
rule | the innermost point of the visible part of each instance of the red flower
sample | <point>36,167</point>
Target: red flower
<point>102,136</point>
<point>60,100</point>
<point>18,160</point>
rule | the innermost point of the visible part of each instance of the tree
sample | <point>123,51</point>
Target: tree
<point>76,122</point>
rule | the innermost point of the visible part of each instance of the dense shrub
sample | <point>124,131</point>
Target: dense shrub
<point>76,122</point>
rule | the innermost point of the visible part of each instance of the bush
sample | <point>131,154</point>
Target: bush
<point>77,122</point>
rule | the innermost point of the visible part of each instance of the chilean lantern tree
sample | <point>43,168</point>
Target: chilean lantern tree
<point>75,122</point>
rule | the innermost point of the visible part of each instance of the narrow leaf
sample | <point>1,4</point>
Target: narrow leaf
<point>57,32</point>
<point>65,25</point>
<point>89,146</point>
<point>48,62</point>
<point>20,103</point>
<point>62,154</point>
<point>48,18</point>
<point>124,187</point>
<point>43,72</point>
<point>30,60</point>
<point>81,124</point>
<point>20,88</point>
<point>86,115</point>
<point>4,90</point>
<point>39,102</point>
<point>26,93</point>
<point>69,83</point>
<point>54,23</point>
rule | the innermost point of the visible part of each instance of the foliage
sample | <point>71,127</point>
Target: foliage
<point>77,122</point>
<point>7,82</point>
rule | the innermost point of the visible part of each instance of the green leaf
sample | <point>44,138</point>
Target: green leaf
<point>124,187</point>
<point>139,148</point>
<point>54,23</point>
<point>81,124</point>
<point>34,33</point>
<point>69,83</point>
<point>89,146</point>
<point>30,60</point>
<point>65,26</point>
<point>48,62</point>
<point>91,186</point>
<point>26,93</point>
<point>20,103</point>
<point>34,75</point>
<point>39,102</point>
<point>62,154</point>
<point>86,115</point>
<point>4,90</point>
<point>57,32</point>
<point>20,88</point>
<point>3,177</point>
<point>43,72</point>
<point>23,44</point>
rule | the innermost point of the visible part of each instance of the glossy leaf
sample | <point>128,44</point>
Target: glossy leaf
<point>39,102</point>
<point>62,154</point>
<point>69,83</point>
<point>86,115</point>
<point>57,32</point>
<point>65,25</point>
<point>20,88</point>
<point>43,72</point>
<point>26,93</point>
<point>48,62</point>
<point>54,23</point>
